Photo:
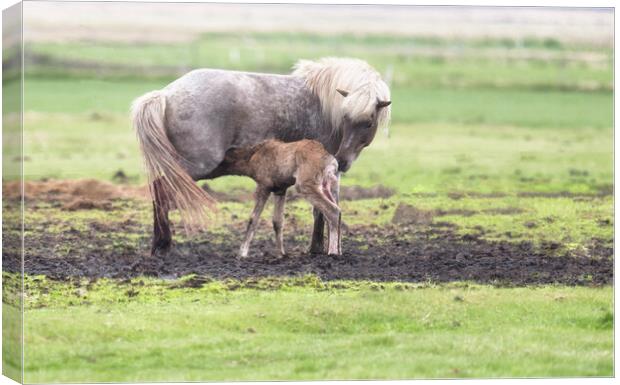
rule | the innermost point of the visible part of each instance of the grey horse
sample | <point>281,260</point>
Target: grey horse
<point>186,128</point>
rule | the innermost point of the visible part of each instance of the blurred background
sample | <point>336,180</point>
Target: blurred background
<point>484,98</point>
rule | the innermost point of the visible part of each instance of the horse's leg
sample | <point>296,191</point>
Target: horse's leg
<point>332,192</point>
<point>317,245</point>
<point>328,209</point>
<point>336,194</point>
<point>261,198</point>
<point>333,243</point>
<point>278,220</point>
<point>162,237</point>
<point>331,213</point>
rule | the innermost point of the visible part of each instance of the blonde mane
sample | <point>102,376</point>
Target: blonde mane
<point>364,84</point>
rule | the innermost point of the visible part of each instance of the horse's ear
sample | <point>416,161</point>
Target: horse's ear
<point>383,103</point>
<point>342,92</point>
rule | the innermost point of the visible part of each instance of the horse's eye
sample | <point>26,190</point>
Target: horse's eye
<point>368,124</point>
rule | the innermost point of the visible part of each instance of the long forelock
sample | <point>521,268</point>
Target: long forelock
<point>364,84</point>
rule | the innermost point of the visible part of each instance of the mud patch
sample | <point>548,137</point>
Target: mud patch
<point>86,204</point>
<point>193,282</point>
<point>403,251</point>
<point>503,211</point>
<point>604,222</point>
<point>474,194</point>
<point>461,212</point>
<point>351,193</point>
<point>80,194</point>
<point>390,253</point>
<point>603,191</point>
<point>407,214</point>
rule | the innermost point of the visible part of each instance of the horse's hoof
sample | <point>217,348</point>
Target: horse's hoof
<point>160,251</point>
<point>316,250</point>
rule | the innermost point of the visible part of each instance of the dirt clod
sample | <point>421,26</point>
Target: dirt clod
<point>351,193</point>
<point>73,194</point>
<point>86,204</point>
<point>407,214</point>
<point>120,177</point>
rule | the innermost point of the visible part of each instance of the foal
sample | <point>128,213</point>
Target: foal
<point>276,166</point>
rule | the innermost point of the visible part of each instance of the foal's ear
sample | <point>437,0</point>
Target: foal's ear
<point>342,92</point>
<point>383,103</point>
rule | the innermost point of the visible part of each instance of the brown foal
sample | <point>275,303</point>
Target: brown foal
<point>275,166</point>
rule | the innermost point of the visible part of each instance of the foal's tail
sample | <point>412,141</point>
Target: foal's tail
<point>163,163</point>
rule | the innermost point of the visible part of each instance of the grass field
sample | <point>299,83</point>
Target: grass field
<point>309,330</point>
<point>513,140</point>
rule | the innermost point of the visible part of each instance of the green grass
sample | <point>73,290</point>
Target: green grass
<point>576,224</point>
<point>415,61</point>
<point>439,157</point>
<point>486,158</point>
<point>12,321</point>
<point>508,137</point>
<point>521,108</point>
<point>84,95</point>
<point>305,329</point>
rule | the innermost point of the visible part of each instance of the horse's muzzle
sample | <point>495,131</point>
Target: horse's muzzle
<point>344,165</point>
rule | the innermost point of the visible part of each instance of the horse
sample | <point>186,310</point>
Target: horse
<point>186,128</point>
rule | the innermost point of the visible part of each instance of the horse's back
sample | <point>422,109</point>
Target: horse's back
<point>209,111</point>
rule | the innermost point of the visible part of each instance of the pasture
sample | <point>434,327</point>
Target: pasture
<point>479,241</point>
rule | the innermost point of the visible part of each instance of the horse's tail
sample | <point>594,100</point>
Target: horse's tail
<point>163,165</point>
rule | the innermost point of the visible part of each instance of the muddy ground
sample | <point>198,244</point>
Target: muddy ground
<point>411,249</point>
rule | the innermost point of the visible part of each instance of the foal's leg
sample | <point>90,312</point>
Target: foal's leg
<point>162,237</point>
<point>261,197</point>
<point>278,220</point>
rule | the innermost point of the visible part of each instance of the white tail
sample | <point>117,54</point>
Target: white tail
<point>162,162</point>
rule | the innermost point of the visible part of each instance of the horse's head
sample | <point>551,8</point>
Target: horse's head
<point>359,126</point>
<point>354,100</point>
